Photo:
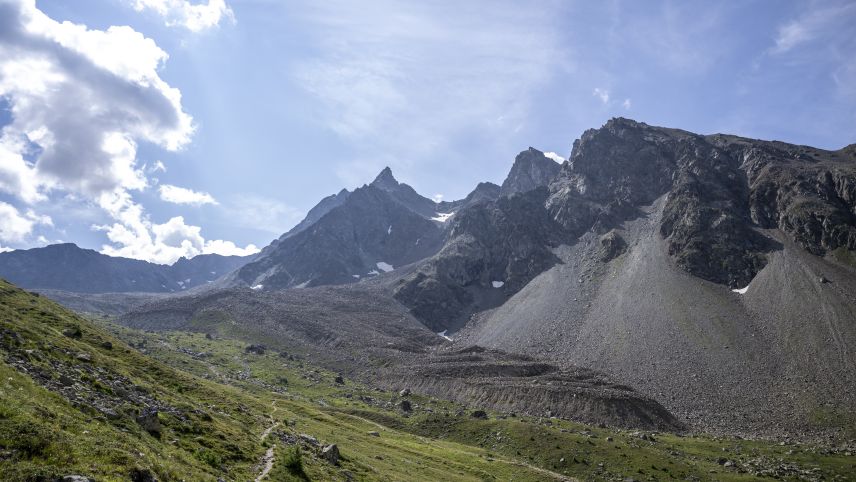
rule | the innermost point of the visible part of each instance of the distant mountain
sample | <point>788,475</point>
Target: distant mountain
<point>70,268</point>
<point>375,229</point>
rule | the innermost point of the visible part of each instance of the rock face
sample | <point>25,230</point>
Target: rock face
<point>371,232</point>
<point>70,268</point>
<point>376,228</point>
<point>719,191</point>
<point>531,169</point>
<point>507,241</point>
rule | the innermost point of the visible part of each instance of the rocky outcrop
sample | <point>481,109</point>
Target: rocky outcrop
<point>493,248</point>
<point>531,169</point>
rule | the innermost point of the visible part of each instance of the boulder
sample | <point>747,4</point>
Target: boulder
<point>612,245</point>
<point>330,453</point>
<point>406,406</point>
<point>404,393</point>
<point>257,349</point>
<point>340,380</point>
<point>142,475</point>
<point>479,414</point>
<point>150,422</point>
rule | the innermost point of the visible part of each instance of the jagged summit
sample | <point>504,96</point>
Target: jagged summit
<point>385,180</point>
<point>531,169</point>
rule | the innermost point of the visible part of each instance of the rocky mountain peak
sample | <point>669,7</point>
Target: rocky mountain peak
<point>385,180</point>
<point>531,169</point>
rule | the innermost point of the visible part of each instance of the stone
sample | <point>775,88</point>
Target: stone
<point>73,332</point>
<point>142,475</point>
<point>340,380</point>
<point>107,345</point>
<point>479,414</point>
<point>330,453</point>
<point>150,422</point>
<point>404,393</point>
<point>309,439</point>
<point>406,406</point>
<point>374,434</point>
<point>612,245</point>
<point>84,357</point>
<point>256,349</point>
<point>76,478</point>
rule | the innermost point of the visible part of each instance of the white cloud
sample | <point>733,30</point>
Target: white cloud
<point>601,94</point>
<point>555,157</point>
<point>228,248</point>
<point>133,235</point>
<point>437,197</point>
<point>192,16</point>
<point>80,101</point>
<point>16,227</point>
<point>181,195</point>
<point>815,23</point>
<point>626,104</point>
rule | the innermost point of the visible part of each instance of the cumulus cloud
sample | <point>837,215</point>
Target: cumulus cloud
<point>601,94</point>
<point>181,195</point>
<point>80,101</point>
<point>15,226</point>
<point>626,104</point>
<point>192,16</point>
<point>134,235</point>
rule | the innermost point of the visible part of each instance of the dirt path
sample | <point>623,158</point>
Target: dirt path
<point>269,457</point>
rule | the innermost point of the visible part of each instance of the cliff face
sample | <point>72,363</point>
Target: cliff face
<point>719,192</point>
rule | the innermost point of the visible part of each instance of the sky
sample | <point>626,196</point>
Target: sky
<point>156,129</point>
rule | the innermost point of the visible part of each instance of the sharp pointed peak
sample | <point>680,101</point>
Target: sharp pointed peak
<point>385,179</point>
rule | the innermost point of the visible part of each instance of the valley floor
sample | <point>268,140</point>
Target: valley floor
<point>70,404</point>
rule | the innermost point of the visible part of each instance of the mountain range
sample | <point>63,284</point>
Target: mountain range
<point>656,278</point>
<point>70,268</point>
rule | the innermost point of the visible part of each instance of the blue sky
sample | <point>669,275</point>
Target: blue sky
<point>210,128</point>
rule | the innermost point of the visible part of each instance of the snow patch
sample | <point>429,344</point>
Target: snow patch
<point>356,276</point>
<point>389,230</point>
<point>442,217</point>
<point>742,291</point>
<point>442,334</point>
<point>555,157</point>
<point>497,284</point>
<point>213,272</point>
<point>303,285</point>
<point>372,273</point>
<point>257,287</point>
<point>385,267</point>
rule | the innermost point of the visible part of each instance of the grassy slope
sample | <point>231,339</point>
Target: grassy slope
<point>244,394</point>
